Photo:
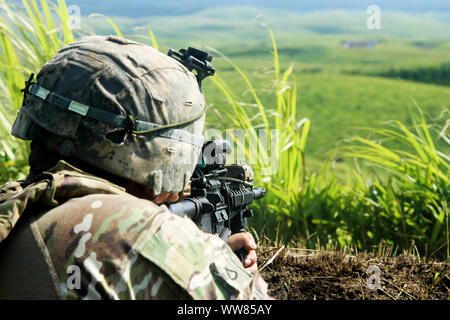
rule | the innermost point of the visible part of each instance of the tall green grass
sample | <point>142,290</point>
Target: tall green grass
<point>29,36</point>
<point>411,204</point>
<point>298,203</point>
<point>279,163</point>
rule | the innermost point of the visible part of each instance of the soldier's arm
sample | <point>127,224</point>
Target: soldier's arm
<point>246,241</point>
<point>201,264</point>
<point>129,248</point>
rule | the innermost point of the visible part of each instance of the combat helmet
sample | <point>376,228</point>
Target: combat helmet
<point>121,106</point>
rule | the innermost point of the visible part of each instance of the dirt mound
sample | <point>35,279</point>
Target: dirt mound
<point>336,275</point>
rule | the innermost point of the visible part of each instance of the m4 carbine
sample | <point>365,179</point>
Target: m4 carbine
<point>220,194</point>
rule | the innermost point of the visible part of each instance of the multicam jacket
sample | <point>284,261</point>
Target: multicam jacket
<point>100,242</point>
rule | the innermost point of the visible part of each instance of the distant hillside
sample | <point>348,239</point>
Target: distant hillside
<point>219,26</point>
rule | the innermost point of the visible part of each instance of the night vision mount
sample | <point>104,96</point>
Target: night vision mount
<point>194,59</point>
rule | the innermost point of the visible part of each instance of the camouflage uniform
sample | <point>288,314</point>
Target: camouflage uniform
<point>124,247</point>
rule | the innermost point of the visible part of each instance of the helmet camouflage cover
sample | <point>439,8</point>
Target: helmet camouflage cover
<point>121,106</point>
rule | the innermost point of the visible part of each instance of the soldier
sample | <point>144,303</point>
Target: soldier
<point>115,129</point>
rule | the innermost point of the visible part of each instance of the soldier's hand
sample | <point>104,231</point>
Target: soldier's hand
<point>245,240</point>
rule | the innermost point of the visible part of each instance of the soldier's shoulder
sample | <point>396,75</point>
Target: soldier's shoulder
<point>108,228</point>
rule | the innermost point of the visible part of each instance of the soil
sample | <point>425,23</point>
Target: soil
<point>328,275</point>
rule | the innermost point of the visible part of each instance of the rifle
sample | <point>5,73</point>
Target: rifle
<point>220,194</point>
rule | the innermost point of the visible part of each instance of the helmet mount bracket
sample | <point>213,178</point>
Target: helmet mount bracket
<point>195,59</point>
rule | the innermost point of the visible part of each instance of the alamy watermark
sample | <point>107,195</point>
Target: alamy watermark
<point>374,280</point>
<point>74,277</point>
<point>253,147</point>
<point>373,21</point>
<point>74,20</point>
<point>260,147</point>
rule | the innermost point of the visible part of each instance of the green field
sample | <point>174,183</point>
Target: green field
<point>337,104</point>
